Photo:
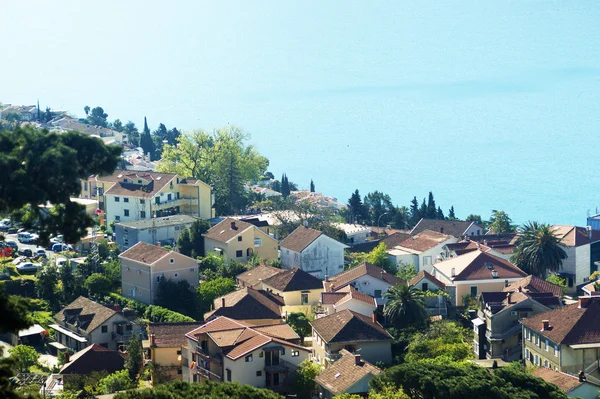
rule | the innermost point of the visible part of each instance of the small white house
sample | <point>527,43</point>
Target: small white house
<point>313,252</point>
<point>422,250</point>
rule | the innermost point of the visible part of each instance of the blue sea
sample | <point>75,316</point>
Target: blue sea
<point>490,105</point>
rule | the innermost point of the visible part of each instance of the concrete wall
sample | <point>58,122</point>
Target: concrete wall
<point>135,206</point>
<point>529,342</point>
<point>369,284</point>
<point>267,250</point>
<point>373,352</point>
<point>324,256</point>
<point>582,263</point>
<point>127,237</point>
<point>464,288</point>
<point>428,258</point>
<point>356,306</point>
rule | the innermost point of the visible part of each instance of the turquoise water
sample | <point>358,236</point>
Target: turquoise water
<point>490,105</point>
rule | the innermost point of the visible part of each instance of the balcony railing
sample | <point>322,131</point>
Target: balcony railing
<point>205,372</point>
<point>332,357</point>
<point>206,355</point>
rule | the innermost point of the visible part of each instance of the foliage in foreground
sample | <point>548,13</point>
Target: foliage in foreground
<point>208,389</point>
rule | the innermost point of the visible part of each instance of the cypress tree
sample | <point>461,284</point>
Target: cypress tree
<point>423,209</point>
<point>312,186</point>
<point>415,214</point>
<point>451,214</point>
<point>431,208</point>
<point>440,214</point>
<point>146,141</point>
<point>285,186</point>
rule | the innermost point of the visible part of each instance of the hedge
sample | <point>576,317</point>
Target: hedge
<point>152,313</point>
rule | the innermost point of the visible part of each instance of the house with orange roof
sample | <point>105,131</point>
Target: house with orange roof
<point>144,265</point>
<point>474,273</point>
<point>573,386</point>
<point>251,306</point>
<point>229,350</point>
<point>583,250</point>
<point>421,250</point>
<point>237,240</point>
<point>349,298</point>
<point>436,306</point>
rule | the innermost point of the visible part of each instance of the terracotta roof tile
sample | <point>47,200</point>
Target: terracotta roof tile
<point>255,275</point>
<point>227,229</point>
<point>156,182</point>
<point>345,372</point>
<point>349,326</point>
<point>293,280</point>
<point>564,381</point>
<point>300,238</point>
<point>423,274</point>
<point>227,337</point>
<point>574,236</point>
<point>570,324</point>
<point>456,228</point>
<point>478,265</point>
<point>94,358</point>
<point>283,331</point>
<point>247,304</point>
<point>356,295</point>
<point>356,272</point>
<point>330,298</point>
<point>535,284</point>
<point>395,239</point>
<point>145,253</point>
<point>88,314</point>
<point>171,335</point>
<point>423,241</point>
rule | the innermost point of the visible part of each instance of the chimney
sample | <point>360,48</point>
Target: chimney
<point>357,359</point>
<point>374,317</point>
<point>494,274</point>
<point>442,230</point>
<point>233,225</point>
<point>453,272</point>
<point>67,356</point>
<point>545,325</point>
<point>583,302</point>
<point>508,297</point>
<point>520,289</point>
<point>158,244</point>
<point>589,231</point>
<point>152,340</point>
<point>506,283</point>
<point>223,302</point>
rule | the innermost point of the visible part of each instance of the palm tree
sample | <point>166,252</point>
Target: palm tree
<point>405,305</point>
<point>538,250</point>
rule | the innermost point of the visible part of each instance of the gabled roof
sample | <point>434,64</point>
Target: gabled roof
<point>94,358</point>
<point>354,294</point>
<point>339,280</point>
<point>145,253</point>
<point>173,220</point>
<point>423,241</point>
<point>478,265</point>
<point>456,228</point>
<point>85,313</point>
<point>257,274</point>
<point>394,239</point>
<point>573,236</point>
<point>349,326</point>
<point>293,280</point>
<point>564,381</point>
<point>227,229</point>
<point>423,274</point>
<point>247,304</point>
<point>571,324</point>
<point>535,285</point>
<point>171,335</point>
<point>499,301</point>
<point>330,298</point>
<point>156,183</point>
<point>340,376</point>
<point>300,238</point>
<point>238,339</point>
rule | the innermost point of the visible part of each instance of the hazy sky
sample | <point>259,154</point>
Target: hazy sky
<point>295,73</point>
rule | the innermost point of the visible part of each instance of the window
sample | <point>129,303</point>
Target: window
<point>546,345</point>
<point>526,353</point>
<point>536,359</point>
<point>426,260</point>
<point>259,373</point>
<point>570,282</point>
<point>179,371</point>
<point>85,188</point>
<point>282,351</point>
<point>157,200</point>
<point>104,329</point>
<point>125,212</point>
<point>473,290</point>
<point>304,298</point>
<point>117,199</point>
<point>556,350</point>
<point>125,199</point>
<point>171,185</point>
<point>117,218</point>
<point>425,286</point>
<point>545,363</point>
<point>239,253</point>
<point>143,215</point>
<point>176,275</point>
<point>169,197</point>
<point>192,269</point>
<point>258,242</point>
<point>248,359</point>
<point>172,260</point>
<point>295,353</point>
<point>158,278</point>
<point>261,354</point>
<point>377,294</point>
<point>179,352</point>
<point>142,202</point>
<point>228,375</point>
<point>239,238</point>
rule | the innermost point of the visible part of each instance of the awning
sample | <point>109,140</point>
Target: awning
<point>33,330</point>
<point>57,345</point>
<point>69,333</point>
<point>477,322</point>
<point>585,346</point>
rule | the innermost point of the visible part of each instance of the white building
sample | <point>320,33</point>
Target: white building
<point>422,250</point>
<point>165,230</point>
<point>313,252</point>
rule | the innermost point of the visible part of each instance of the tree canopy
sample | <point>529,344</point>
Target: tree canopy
<point>190,242</point>
<point>207,389</point>
<point>405,305</point>
<point>538,250</point>
<point>500,223</point>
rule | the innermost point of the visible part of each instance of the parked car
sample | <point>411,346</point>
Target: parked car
<point>25,237</point>
<point>12,243</point>
<point>39,253</point>
<point>61,247</point>
<point>27,267</point>
<point>12,230</point>
<point>25,252</point>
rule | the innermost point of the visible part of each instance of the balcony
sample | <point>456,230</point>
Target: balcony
<point>206,355</point>
<point>206,373</point>
<point>332,357</point>
<point>175,202</point>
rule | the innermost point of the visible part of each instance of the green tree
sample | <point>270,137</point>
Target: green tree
<point>178,296</point>
<point>86,109</point>
<point>118,125</point>
<point>312,186</point>
<point>23,357</point>
<point>112,271</point>
<point>440,214</point>
<point>40,167</point>
<point>46,285</point>
<point>305,385</point>
<point>191,242</point>
<point>299,323</point>
<point>451,215</point>
<point>133,136</point>
<point>133,364</point>
<point>69,287</point>
<point>401,218</point>
<point>117,381</point>
<point>423,209</point>
<point>474,218</point>
<point>222,159</point>
<point>431,212</point>
<point>442,338</point>
<point>379,207</point>
<point>406,271</point>
<point>97,117</point>
<point>97,285</point>
<point>146,141</point>
<point>405,305</point>
<point>538,250</point>
<point>415,212</point>
<point>554,279</point>
<point>208,389</point>
<point>500,223</point>
<point>379,257</point>
<point>285,186</point>
<point>208,291</point>
<point>356,210</point>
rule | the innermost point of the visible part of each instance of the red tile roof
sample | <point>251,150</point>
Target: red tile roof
<point>423,274</point>
<point>145,253</point>
<point>300,238</point>
<point>349,326</point>
<point>171,335</point>
<point>94,358</point>
<point>478,265</point>
<point>340,376</point>
<point>293,280</point>
<point>247,304</point>
<point>424,241</point>
<point>573,236</point>
<point>536,285</point>
<point>339,280</point>
<point>570,325</point>
<point>257,274</point>
<point>227,229</point>
<point>456,228</point>
<point>564,381</point>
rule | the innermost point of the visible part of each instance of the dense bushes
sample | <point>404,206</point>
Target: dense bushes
<point>208,389</point>
<point>154,314</point>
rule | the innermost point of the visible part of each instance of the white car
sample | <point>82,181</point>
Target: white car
<point>61,261</point>
<point>27,267</point>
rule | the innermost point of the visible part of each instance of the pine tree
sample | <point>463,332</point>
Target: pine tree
<point>415,213</point>
<point>285,186</point>
<point>440,214</point>
<point>423,209</point>
<point>357,211</point>
<point>146,141</point>
<point>451,215</point>
<point>312,186</point>
<point>431,208</point>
